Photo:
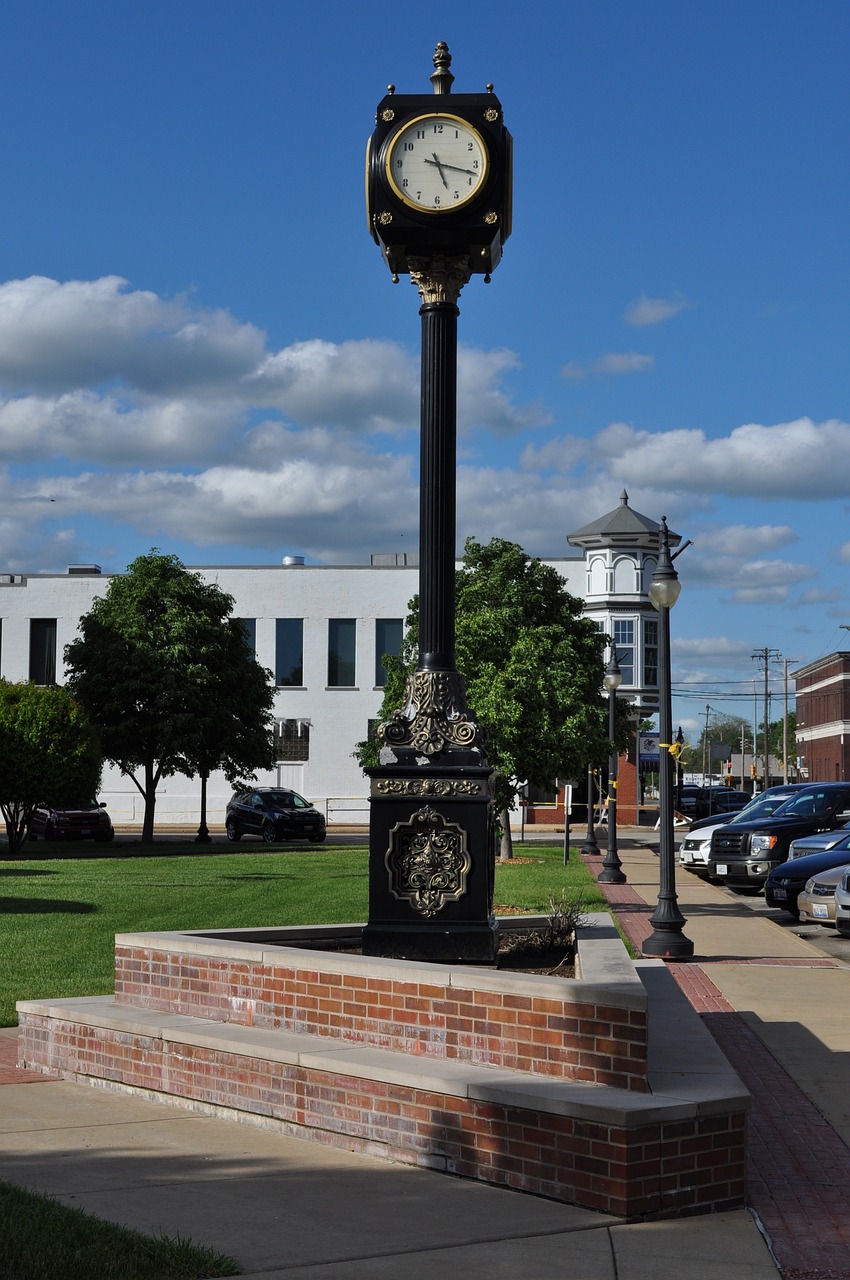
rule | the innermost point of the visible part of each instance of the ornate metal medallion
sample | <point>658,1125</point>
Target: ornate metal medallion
<point>428,861</point>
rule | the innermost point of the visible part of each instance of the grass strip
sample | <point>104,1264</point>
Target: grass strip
<point>41,1239</point>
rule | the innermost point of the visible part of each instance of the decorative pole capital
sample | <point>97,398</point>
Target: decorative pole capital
<point>439,279</point>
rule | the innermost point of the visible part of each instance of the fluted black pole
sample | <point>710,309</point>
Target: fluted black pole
<point>437,486</point>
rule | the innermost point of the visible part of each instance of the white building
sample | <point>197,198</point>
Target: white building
<point>322,631</point>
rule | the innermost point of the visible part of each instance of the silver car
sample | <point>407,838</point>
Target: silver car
<point>817,843</point>
<point>817,900</point>
<point>842,904</point>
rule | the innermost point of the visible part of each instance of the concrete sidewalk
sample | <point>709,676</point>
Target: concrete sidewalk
<point>289,1208</point>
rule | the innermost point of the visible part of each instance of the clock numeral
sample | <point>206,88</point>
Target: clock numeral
<point>408,146</point>
<point>438,128</point>
<point>420,133</point>
<point>436,200</point>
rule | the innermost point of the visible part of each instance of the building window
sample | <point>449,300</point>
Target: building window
<point>624,642</point>
<point>388,636</point>
<point>292,740</point>
<point>249,626</point>
<point>289,651</point>
<point>342,648</point>
<point>650,653</point>
<point>43,650</point>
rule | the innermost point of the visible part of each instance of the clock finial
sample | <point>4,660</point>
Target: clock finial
<point>442,78</point>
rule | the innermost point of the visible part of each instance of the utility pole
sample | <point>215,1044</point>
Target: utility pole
<point>764,656</point>
<point>705,751</point>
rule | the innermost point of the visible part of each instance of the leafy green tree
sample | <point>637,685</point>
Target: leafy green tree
<point>533,666</point>
<point>49,751</point>
<point>168,678</point>
<point>233,730</point>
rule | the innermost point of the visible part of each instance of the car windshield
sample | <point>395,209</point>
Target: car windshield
<point>807,804</point>
<point>766,806</point>
<point>287,800</point>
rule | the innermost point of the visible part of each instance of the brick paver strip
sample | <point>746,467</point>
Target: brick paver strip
<point>10,1072</point>
<point>799,1168</point>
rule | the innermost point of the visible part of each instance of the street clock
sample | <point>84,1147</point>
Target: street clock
<point>438,175</point>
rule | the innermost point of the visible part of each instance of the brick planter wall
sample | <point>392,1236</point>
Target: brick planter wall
<point>548,1026</point>
<point>627,1168</point>
<point>529,1082</point>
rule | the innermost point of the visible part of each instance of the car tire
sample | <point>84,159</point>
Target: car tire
<point>318,839</point>
<point>105,839</point>
<point>49,833</point>
<point>843,929</point>
<point>233,832</point>
<point>269,833</point>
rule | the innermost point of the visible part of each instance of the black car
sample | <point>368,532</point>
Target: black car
<point>743,853</point>
<point>87,820</point>
<point>761,805</point>
<point>714,801</point>
<point>273,813</point>
<point>787,881</point>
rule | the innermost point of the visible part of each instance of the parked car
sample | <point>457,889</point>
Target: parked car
<point>273,813</point>
<point>686,800</point>
<point>816,902</point>
<point>842,904</point>
<point>714,800</point>
<point>745,851</point>
<point>85,821</point>
<point>696,844</point>
<point>817,843</point>
<point>787,881</point>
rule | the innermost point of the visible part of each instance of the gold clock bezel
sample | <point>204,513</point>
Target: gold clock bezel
<point>457,204</point>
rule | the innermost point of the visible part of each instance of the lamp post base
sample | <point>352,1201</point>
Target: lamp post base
<point>611,874</point>
<point>667,944</point>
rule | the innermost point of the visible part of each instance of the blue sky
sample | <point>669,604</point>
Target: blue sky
<point>201,349</point>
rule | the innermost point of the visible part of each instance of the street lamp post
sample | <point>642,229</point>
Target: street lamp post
<point>667,940</point>
<point>680,742</point>
<point>591,845</point>
<point>612,868</point>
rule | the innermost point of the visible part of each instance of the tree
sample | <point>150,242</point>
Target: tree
<point>49,751</point>
<point>720,728</point>
<point>533,667</point>
<point>167,679</point>
<point>233,730</point>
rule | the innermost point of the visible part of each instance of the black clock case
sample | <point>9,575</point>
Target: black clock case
<point>404,233</point>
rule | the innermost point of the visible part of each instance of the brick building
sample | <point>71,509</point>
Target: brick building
<point>823,718</point>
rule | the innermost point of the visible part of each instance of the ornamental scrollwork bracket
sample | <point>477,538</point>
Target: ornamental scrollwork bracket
<point>435,715</point>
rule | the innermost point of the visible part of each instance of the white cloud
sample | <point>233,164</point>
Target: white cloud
<point>612,364</point>
<point>742,539</point>
<point>648,311</point>
<point>801,460</point>
<point>58,337</point>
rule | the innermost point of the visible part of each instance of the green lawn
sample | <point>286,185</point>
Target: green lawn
<point>41,1239</point>
<point>59,916</point>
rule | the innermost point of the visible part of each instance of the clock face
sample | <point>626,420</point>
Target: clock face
<point>436,163</point>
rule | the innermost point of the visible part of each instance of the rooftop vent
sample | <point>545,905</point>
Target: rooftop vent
<point>81,569</point>
<point>292,560</point>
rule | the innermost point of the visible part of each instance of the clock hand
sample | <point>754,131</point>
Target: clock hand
<point>436,162</point>
<point>457,169</point>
